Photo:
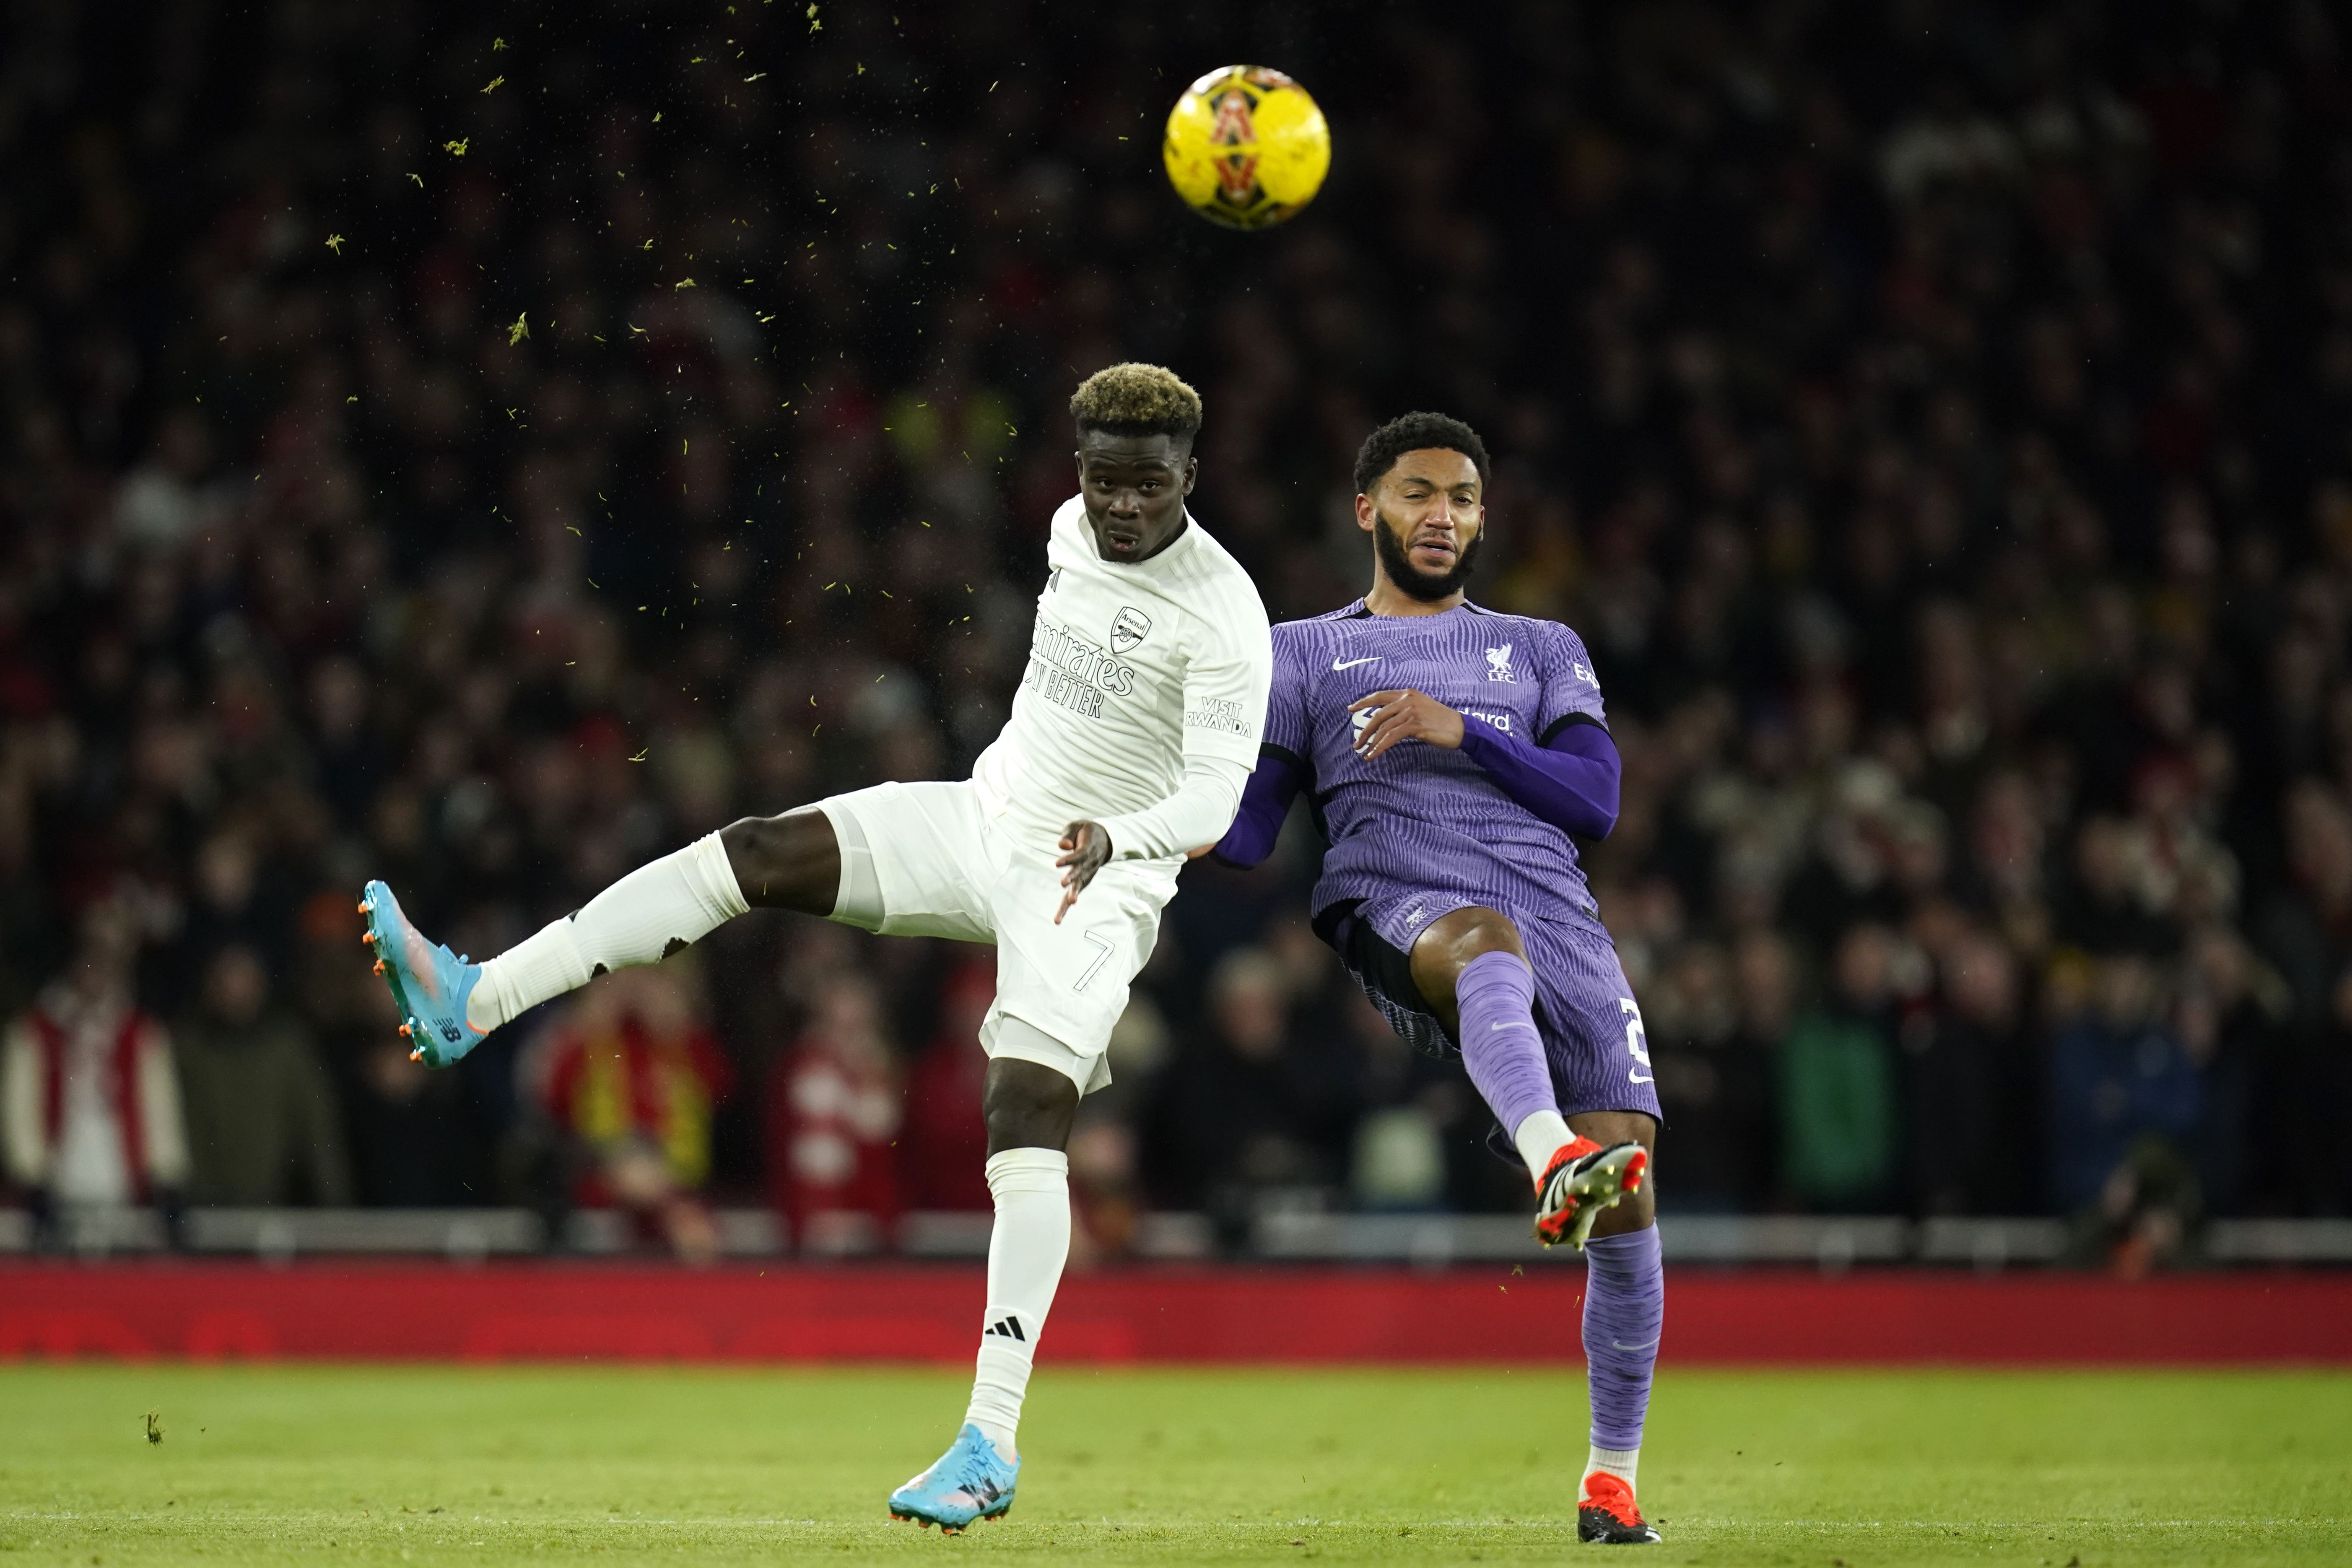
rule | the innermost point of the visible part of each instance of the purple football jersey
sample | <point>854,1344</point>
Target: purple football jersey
<point>1423,818</point>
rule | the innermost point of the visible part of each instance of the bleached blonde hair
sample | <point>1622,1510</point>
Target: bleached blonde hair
<point>1135,400</point>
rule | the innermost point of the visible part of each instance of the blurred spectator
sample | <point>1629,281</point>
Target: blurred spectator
<point>2306,933</point>
<point>2114,900</point>
<point>834,1115</point>
<point>90,1105</point>
<point>1399,1160</point>
<point>2120,1075</point>
<point>944,1154</point>
<point>403,1130</point>
<point>1247,1113</point>
<point>631,1078</point>
<point>1839,1136</point>
<point>1714,1074</point>
<point>2324,1082</point>
<point>2233,1011</point>
<point>1951,486</point>
<point>262,1124</point>
<point>1107,1196</point>
<point>2146,1214</point>
<point>1968,1087</point>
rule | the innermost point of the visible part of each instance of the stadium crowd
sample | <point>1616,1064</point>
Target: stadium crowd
<point>484,448</point>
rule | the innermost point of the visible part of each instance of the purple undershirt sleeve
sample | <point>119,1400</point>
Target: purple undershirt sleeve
<point>1571,783</point>
<point>1266,801</point>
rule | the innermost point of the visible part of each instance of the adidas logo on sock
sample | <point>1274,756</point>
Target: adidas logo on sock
<point>1009,1326</point>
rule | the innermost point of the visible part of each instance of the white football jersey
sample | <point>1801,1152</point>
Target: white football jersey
<point>1132,669</point>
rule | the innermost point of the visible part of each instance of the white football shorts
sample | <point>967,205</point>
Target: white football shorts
<point>941,867</point>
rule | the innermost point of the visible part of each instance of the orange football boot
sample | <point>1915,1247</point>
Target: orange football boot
<point>1583,1179</point>
<point>1607,1514</point>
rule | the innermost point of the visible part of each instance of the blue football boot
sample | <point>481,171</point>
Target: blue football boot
<point>429,984</point>
<point>970,1482</point>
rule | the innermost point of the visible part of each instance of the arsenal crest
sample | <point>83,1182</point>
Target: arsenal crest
<point>1129,627</point>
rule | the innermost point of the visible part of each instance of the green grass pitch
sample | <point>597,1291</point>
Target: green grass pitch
<point>438,1465</point>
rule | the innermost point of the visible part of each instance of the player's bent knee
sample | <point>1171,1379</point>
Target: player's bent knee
<point>790,862</point>
<point>1026,1106</point>
<point>1491,931</point>
<point>1453,941</point>
<point>1448,945</point>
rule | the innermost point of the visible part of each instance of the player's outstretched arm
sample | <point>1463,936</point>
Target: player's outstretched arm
<point>1570,783</point>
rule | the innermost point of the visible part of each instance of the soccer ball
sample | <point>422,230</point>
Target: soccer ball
<point>1247,148</point>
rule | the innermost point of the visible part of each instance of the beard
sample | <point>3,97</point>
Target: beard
<point>1412,582</point>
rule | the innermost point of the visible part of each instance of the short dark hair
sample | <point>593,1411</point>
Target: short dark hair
<point>1414,433</point>
<point>1136,400</point>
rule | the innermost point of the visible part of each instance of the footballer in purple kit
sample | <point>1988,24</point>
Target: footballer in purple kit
<point>1449,753</point>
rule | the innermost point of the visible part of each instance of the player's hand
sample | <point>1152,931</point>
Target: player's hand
<point>1085,847</point>
<point>1404,716</point>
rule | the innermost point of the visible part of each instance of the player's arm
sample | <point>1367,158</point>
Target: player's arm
<point>1197,815</point>
<point>1571,781</point>
<point>1283,765</point>
<point>1266,802</point>
<point>1226,685</point>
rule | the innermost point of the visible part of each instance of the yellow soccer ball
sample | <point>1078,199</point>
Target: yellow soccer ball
<point>1246,147</point>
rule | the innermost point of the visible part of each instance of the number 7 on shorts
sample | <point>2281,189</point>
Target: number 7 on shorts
<point>1095,967</point>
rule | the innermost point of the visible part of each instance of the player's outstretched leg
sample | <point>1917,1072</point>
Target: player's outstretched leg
<point>1625,1314</point>
<point>1029,1107</point>
<point>447,1003</point>
<point>1471,961</point>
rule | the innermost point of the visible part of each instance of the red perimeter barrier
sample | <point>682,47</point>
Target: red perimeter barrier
<point>572,1312</point>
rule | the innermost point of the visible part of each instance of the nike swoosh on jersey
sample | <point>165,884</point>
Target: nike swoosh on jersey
<point>1351,664</point>
<point>1491,1028</point>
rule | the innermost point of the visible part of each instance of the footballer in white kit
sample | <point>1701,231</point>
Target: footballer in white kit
<point>1140,710</point>
<point>1133,732</point>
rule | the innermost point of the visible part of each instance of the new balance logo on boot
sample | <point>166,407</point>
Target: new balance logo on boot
<point>1010,1327</point>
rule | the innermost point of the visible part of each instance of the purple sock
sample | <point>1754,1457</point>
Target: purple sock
<point>1496,995</point>
<point>1624,1310</point>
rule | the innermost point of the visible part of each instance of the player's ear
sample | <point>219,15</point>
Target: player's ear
<point>1366,517</point>
<point>1191,472</point>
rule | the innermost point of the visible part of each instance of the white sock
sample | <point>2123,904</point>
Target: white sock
<point>1540,1137</point>
<point>1026,1254</point>
<point>678,899</point>
<point>1619,1462</point>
